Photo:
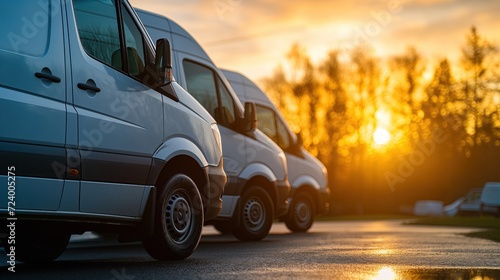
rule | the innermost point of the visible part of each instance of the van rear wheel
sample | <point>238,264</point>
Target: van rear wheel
<point>256,215</point>
<point>300,216</point>
<point>178,220</point>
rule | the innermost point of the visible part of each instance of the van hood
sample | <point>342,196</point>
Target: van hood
<point>315,168</point>
<point>262,138</point>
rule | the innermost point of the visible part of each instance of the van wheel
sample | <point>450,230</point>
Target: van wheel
<point>178,220</point>
<point>300,216</point>
<point>256,215</point>
<point>38,246</point>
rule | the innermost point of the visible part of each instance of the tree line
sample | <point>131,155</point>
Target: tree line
<point>443,119</point>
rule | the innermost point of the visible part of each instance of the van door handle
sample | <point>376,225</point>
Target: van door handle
<point>88,87</point>
<point>49,77</point>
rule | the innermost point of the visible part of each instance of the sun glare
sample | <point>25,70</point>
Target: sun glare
<point>386,273</point>
<point>381,136</point>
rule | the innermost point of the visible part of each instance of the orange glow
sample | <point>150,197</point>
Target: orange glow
<point>236,38</point>
<point>386,273</point>
<point>381,136</point>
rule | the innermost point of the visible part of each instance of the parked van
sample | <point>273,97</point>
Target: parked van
<point>97,136</point>
<point>258,187</point>
<point>476,202</point>
<point>310,194</point>
<point>490,198</point>
<point>469,204</point>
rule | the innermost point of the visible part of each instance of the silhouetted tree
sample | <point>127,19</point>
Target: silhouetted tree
<point>477,58</point>
<point>444,107</point>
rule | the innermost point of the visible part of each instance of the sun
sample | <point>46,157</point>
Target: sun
<point>381,136</point>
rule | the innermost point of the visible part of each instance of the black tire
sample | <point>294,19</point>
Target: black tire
<point>38,245</point>
<point>178,220</point>
<point>257,214</point>
<point>300,216</point>
<point>223,227</point>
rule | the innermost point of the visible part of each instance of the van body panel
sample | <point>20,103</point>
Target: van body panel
<point>306,180</point>
<point>307,166</point>
<point>34,193</point>
<point>95,198</point>
<point>32,107</point>
<point>70,200</point>
<point>123,109</point>
<point>258,169</point>
<point>180,146</point>
<point>229,203</point>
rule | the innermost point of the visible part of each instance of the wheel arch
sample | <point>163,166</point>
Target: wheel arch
<point>186,165</point>
<point>313,192</point>
<point>181,155</point>
<point>268,186</point>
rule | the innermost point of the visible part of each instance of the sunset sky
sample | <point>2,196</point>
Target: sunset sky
<point>253,36</point>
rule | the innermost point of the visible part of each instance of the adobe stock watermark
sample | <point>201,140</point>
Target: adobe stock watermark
<point>408,164</point>
<point>246,153</point>
<point>31,26</point>
<point>373,28</point>
<point>224,7</point>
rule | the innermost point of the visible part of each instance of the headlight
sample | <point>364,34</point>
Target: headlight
<point>282,157</point>
<point>215,130</point>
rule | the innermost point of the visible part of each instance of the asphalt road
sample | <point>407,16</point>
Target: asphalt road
<point>331,250</point>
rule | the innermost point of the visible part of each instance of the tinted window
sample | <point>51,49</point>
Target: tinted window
<point>200,82</point>
<point>98,30</point>
<point>266,122</point>
<point>283,136</point>
<point>226,117</point>
<point>25,26</point>
<point>135,46</point>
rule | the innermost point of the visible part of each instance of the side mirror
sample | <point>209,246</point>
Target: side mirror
<point>300,141</point>
<point>163,62</point>
<point>250,117</point>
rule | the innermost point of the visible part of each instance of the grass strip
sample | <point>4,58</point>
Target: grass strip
<point>491,234</point>
<point>479,222</point>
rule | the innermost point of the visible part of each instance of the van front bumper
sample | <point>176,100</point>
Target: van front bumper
<point>217,180</point>
<point>323,201</point>
<point>282,191</point>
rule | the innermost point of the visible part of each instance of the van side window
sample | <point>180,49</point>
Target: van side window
<point>200,82</point>
<point>273,126</point>
<point>226,118</point>
<point>214,96</point>
<point>283,135</point>
<point>266,122</point>
<point>98,30</point>
<point>135,46</point>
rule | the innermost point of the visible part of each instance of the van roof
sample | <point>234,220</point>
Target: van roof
<point>181,42</point>
<point>246,90</point>
<point>251,91</point>
<point>150,20</point>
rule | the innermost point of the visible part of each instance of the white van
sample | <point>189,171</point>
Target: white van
<point>308,177</point>
<point>95,134</point>
<point>257,189</point>
<point>490,198</point>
